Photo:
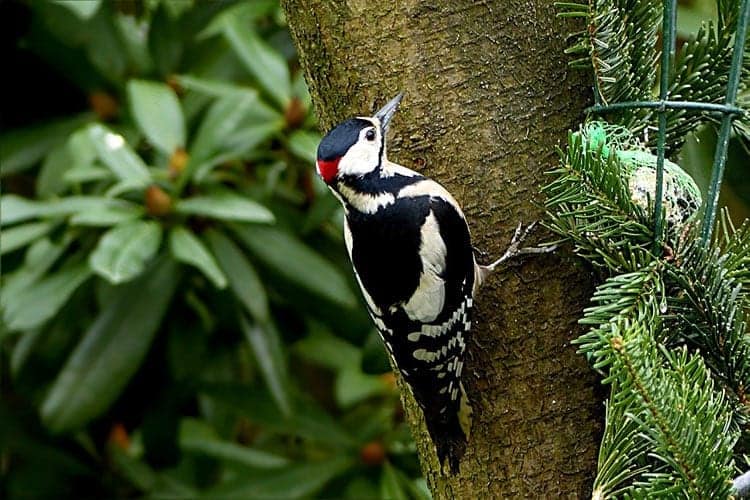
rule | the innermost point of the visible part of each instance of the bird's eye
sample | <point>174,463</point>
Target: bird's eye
<point>370,135</point>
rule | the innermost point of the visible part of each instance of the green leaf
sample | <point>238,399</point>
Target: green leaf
<point>266,345</point>
<point>165,38</point>
<point>107,217</point>
<point>419,489</point>
<point>20,236</point>
<point>39,258</point>
<point>296,262</point>
<point>296,481</point>
<point>23,148</point>
<point>115,153</point>
<point>86,173</point>
<point>84,9</point>
<point>243,280</point>
<point>122,187</point>
<point>132,35</point>
<point>245,12</point>
<point>221,119</point>
<point>158,114</point>
<point>390,486</point>
<point>352,386</point>
<point>325,349</point>
<point>30,307</point>
<point>187,248</point>
<point>50,180</point>
<point>215,88</point>
<point>71,162</point>
<point>267,66</point>
<point>105,49</point>
<point>374,356</point>
<point>124,250</point>
<point>304,145</point>
<point>227,118</point>
<point>197,437</point>
<point>308,420</point>
<point>17,209</point>
<point>156,484</point>
<point>225,205</point>
<point>238,144</point>
<point>111,350</point>
<point>231,452</point>
<point>177,7</point>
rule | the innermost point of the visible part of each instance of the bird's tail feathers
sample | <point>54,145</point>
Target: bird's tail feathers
<point>450,432</point>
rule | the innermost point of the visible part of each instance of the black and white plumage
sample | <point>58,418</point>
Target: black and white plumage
<point>410,247</point>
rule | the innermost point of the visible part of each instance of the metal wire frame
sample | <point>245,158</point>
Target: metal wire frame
<point>728,112</point>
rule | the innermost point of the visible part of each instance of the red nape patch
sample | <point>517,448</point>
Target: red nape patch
<point>328,169</point>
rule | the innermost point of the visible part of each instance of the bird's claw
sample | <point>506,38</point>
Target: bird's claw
<point>514,249</point>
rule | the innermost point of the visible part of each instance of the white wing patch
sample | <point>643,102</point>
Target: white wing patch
<point>427,301</point>
<point>390,169</point>
<point>430,188</point>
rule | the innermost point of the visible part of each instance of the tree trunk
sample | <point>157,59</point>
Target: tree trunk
<point>488,97</point>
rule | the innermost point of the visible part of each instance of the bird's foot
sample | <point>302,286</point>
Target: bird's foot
<point>515,250</point>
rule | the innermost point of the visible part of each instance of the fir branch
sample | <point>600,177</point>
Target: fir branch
<point>635,296</point>
<point>683,417</point>
<point>619,463</point>
<point>589,204</point>
<point>618,301</point>
<point>735,244</point>
<point>620,40</point>
<point>710,308</point>
<point>621,44</point>
<point>700,75</point>
<point>663,401</point>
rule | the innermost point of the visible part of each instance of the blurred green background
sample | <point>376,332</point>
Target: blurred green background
<point>178,314</point>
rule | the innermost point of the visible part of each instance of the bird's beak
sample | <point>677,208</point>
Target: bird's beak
<point>386,112</point>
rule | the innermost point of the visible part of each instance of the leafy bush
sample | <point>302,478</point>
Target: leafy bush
<point>178,317</point>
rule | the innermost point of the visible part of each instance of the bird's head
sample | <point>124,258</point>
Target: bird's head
<point>357,146</point>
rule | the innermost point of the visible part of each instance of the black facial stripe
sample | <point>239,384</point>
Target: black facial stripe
<point>338,141</point>
<point>373,183</point>
<point>382,147</point>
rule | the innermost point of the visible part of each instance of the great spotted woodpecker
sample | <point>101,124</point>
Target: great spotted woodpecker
<point>410,247</point>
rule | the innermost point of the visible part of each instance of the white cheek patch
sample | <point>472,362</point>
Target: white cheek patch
<point>362,157</point>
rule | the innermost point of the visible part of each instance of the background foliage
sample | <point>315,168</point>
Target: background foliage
<point>178,317</point>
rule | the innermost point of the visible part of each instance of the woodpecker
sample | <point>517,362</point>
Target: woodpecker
<point>411,251</point>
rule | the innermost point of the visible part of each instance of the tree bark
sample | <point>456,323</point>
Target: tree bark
<point>488,97</point>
